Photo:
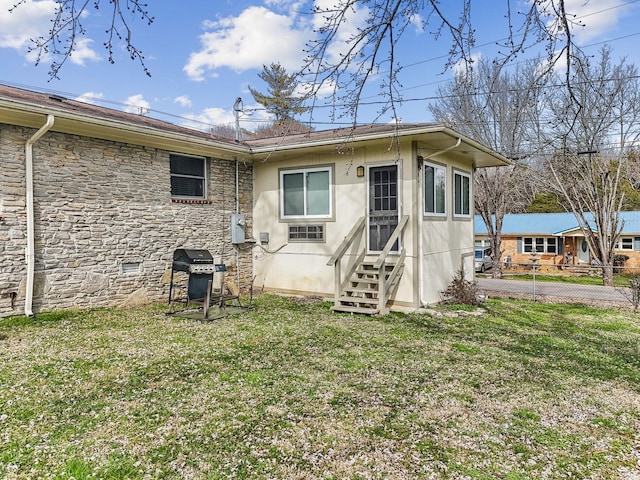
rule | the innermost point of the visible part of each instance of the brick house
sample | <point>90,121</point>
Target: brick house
<point>557,239</point>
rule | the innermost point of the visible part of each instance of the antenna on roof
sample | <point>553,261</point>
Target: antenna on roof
<point>237,108</point>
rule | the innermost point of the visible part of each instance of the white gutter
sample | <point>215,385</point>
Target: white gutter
<point>420,225</point>
<point>358,137</point>
<point>30,249</point>
<point>223,149</point>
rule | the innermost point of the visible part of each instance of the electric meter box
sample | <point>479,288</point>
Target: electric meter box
<point>237,228</point>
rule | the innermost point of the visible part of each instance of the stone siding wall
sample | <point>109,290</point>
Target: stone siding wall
<point>105,224</point>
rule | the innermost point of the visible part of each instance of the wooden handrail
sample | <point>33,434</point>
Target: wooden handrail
<point>348,240</point>
<point>392,239</point>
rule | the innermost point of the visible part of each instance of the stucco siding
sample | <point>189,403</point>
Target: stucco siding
<point>301,267</point>
<point>435,248</point>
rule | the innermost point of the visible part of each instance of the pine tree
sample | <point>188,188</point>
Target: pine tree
<point>279,100</point>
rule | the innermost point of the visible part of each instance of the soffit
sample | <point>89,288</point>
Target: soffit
<point>430,139</point>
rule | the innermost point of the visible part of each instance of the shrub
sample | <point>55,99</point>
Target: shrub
<point>461,291</point>
<point>619,259</point>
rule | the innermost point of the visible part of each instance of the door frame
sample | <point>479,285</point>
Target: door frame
<point>398,166</point>
<point>583,257</point>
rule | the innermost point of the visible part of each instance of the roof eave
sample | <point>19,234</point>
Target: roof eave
<point>490,158</point>
<point>33,115</point>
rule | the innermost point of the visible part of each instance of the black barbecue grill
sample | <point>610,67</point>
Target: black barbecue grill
<point>200,267</point>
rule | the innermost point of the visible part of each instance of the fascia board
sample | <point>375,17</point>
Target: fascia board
<point>32,115</point>
<point>269,150</point>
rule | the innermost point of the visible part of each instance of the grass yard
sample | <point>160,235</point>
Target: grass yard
<point>619,279</point>
<point>290,390</point>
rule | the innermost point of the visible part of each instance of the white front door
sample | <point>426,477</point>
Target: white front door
<point>583,250</point>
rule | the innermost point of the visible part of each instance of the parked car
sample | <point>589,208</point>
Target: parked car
<point>483,260</point>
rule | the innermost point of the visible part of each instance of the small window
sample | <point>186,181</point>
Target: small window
<point>305,193</point>
<point>188,177</point>
<point>435,180</point>
<point>625,243</point>
<point>462,194</point>
<point>528,245</point>
<point>306,233</point>
<point>128,268</point>
<point>552,245</point>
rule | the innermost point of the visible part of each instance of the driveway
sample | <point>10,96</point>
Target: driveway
<point>591,294</point>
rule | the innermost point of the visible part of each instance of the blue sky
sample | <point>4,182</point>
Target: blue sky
<point>203,54</point>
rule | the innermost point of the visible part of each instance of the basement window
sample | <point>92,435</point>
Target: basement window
<point>130,268</point>
<point>306,233</point>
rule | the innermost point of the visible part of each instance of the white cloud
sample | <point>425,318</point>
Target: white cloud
<point>355,18</point>
<point>254,38</point>
<point>418,23</point>
<point>90,97</point>
<point>31,20</point>
<point>253,116</point>
<point>83,52</point>
<point>597,17</point>
<point>210,116</point>
<point>461,67</point>
<point>137,104</point>
<point>183,100</point>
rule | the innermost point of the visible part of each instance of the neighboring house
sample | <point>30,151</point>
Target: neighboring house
<point>93,203</point>
<point>557,239</point>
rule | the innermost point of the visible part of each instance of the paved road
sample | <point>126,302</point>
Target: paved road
<point>591,293</point>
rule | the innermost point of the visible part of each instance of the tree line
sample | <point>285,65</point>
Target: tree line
<point>573,146</point>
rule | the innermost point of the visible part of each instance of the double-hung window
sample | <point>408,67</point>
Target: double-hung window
<point>539,245</point>
<point>625,243</point>
<point>461,194</point>
<point>188,176</point>
<point>435,183</point>
<point>306,193</point>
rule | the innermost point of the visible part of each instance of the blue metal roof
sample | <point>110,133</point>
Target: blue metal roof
<point>548,224</point>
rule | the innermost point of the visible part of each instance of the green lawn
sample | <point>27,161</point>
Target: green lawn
<point>289,390</point>
<point>619,280</point>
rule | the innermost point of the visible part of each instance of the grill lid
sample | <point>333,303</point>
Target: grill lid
<point>183,257</point>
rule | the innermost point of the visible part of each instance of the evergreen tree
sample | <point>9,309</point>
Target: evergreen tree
<point>280,99</point>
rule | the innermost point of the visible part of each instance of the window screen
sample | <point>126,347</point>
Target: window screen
<point>187,176</point>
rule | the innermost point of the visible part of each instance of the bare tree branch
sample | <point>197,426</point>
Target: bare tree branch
<point>368,52</point>
<point>592,159</point>
<point>67,29</point>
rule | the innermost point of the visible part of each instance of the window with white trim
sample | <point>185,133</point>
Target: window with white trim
<point>624,243</point>
<point>461,194</point>
<point>306,193</point>
<point>188,176</point>
<point>435,189</point>
<point>539,244</point>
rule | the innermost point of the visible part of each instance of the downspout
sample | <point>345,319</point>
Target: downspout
<point>237,211</point>
<point>30,248</point>
<point>420,226</point>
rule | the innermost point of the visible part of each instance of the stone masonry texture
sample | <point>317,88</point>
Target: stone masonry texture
<point>105,223</point>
